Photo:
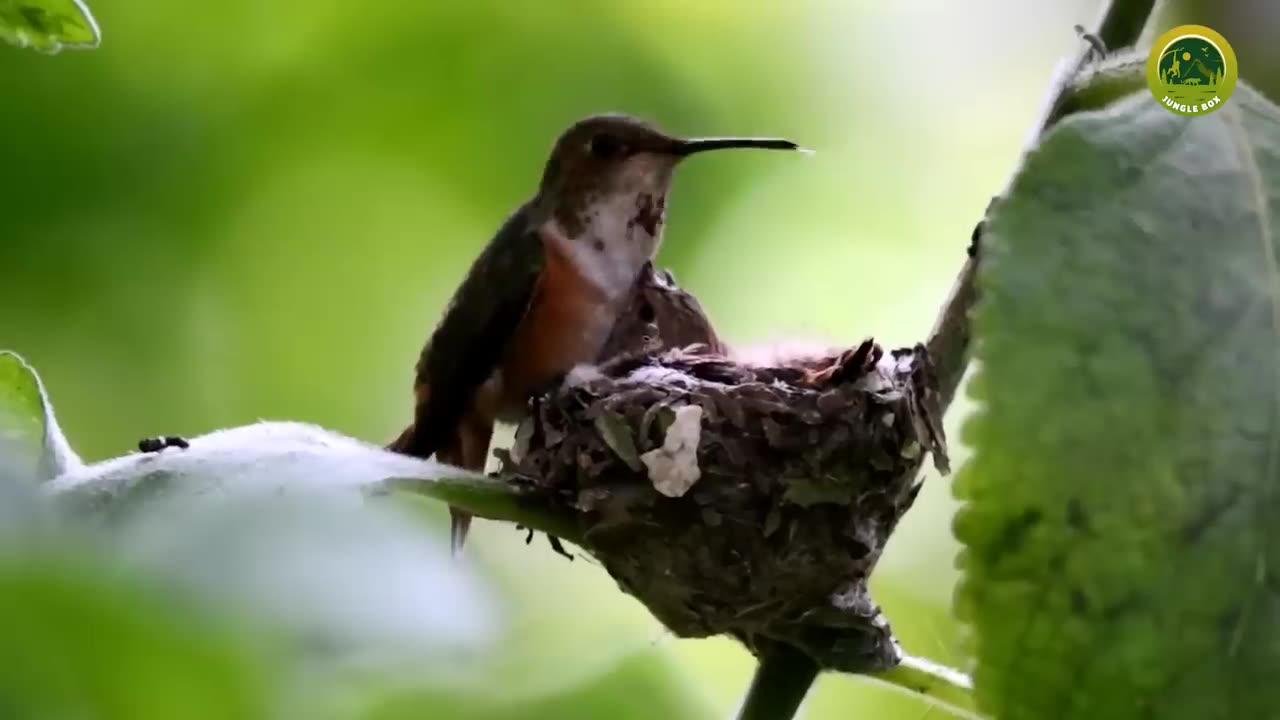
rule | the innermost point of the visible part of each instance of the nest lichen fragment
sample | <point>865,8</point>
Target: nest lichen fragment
<point>802,473</point>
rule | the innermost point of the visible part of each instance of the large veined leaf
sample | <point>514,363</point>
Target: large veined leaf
<point>1122,507</point>
<point>48,25</point>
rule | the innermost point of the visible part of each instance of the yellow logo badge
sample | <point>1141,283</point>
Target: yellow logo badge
<point>1191,70</point>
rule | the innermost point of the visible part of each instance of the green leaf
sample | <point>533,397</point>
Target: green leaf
<point>80,643</point>
<point>32,446</point>
<point>1121,507</point>
<point>1104,82</point>
<point>245,519</point>
<point>48,25</point>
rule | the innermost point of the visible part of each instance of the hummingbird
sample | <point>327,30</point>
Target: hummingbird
<point>545,292</point>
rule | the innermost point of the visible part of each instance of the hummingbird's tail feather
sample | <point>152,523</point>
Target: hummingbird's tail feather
<point>457,454</point>
<point>459,524</point>
<point>468,448</point>
<point>404,442</point>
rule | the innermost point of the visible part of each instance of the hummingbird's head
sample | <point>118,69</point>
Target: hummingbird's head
<point>623,162</point>
<point>604,191</point>
<point>612,153</point>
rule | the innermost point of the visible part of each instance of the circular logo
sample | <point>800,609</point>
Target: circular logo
<point>1191,70</point>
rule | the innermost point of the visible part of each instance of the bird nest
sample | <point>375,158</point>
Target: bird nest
<point>736,498</point>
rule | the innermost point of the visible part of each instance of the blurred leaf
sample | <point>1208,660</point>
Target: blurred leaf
<point>348,582</point>
<point>32,447</point>
<point>552,640</point>
<point>79,644</point>
<point>567,623</point>
<point>1122,500</point>
<point>48,25</point>
<point>382,592</point>
<point>283,457</point>
<point>272,519</point>
<point>644,685</point>
<point>259,556</point>
<point>264,458</point>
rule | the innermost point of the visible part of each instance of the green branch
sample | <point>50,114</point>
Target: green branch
<point>1122,23</point>
<point>492,498</point>
<point>947,688</point>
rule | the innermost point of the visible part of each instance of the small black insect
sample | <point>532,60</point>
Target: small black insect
<point>156,444</point>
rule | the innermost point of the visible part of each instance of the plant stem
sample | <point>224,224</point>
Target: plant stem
<point>785,675</point>
<point>493,498</point>
<point>781,682</point>
<point>1122,23</point>
<point>948,688</point>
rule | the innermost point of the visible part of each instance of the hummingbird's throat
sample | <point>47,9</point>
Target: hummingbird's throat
<point>650,212</point>
<point>612,238</point>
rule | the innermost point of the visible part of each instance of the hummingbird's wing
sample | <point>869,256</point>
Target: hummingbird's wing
<point>468,344</point>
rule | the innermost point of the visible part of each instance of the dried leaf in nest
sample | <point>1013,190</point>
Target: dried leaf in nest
<point>763,496</point>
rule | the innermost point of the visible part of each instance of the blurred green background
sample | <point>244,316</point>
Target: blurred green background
<point>257,209</point>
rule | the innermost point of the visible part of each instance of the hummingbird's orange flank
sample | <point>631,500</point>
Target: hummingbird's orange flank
<point>547,289</point>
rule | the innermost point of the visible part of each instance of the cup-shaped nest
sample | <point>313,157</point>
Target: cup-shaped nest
<point>734,498</point>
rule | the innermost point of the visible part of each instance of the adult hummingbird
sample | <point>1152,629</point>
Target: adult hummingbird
<point>545,292</point>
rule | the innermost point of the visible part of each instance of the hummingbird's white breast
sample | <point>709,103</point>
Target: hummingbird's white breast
<point>619,234</point>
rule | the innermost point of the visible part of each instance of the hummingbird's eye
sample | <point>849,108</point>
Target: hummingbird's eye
<point>604,146</point>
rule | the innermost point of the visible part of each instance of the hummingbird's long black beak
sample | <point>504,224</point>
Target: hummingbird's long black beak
<point>697,145</point>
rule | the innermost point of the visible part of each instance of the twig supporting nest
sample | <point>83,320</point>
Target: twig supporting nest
<point>737,499</point>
